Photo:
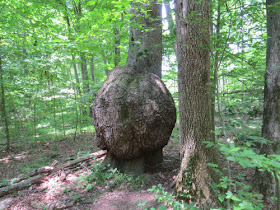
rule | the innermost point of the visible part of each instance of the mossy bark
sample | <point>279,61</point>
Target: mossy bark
<point>195,179</point>
<point>137,165</point>
<point>134,115</point>
<point>264,181</point>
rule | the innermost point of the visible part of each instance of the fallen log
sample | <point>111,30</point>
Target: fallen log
<point>21,185</point>
<point>37,175</point>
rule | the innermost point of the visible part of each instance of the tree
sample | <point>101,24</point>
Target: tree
<point>134,113</point>
<point>263,181</point>
<point>3,107</point>
<point>145,47</point>
<point>194,103</point>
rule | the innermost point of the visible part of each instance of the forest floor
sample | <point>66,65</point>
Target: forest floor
<point>75,189</point>
<point>66,189</point>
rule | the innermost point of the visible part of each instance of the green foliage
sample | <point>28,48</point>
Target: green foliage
<point>168,199</point>
<point>238,195</point>
<point>39,206</point>
<point>40,45</point>
<point>103,175</point>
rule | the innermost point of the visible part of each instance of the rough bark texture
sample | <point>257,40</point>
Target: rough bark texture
<point>195,177</point>
<point>117,57</point>
<point>263,181</point>
<point>145,47</point>
<point>3,107</point>
<point>134,115</point>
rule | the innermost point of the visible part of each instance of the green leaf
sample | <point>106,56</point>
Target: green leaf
<point>162,208</point>
<point>90,3</point>
<point>221,197</point>
<point>231,158</point>
<point>235,149</point>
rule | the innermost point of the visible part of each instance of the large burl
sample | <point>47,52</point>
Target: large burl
<point>134,115</point>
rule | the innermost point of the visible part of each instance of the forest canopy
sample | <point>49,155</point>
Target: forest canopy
<point>55,55</point>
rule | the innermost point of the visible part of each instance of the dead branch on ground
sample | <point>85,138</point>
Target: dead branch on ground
<point>37,175</point>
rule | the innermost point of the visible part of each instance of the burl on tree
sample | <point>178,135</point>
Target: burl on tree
<point>134,115</point>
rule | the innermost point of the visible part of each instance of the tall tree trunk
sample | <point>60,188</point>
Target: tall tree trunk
<point>92,81</point>
<point>77,86</point>
<point>145,48</point>
<point>86,89</point>
<point>3,107</point>
<point>194,104</point>
<point>24,53</point>
<point>92,68</point>
<point>84,73</point>
<point>104,60</point>
<point>145,44</point>
<point>144,55</point>
<point>117,57</point>
<point>271,117</point>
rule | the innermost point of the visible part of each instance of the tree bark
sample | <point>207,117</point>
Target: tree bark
<point>117,57</point>
<point>92,82</point>
<point>194,104</point>
<point>86,89</point>
<point>263,181</point>
<point>24,53</point>
<point>84,72</point>
<point>92,68</point>
<point>105,61</point>
<point>3,107</point>
<point>145,41</point>
<point>144,55</point>
<point>215,73</point>
<point>76,75</point>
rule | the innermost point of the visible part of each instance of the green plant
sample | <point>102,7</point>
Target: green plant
<point>168,199</point>
<point>39,206</point>
<point>237,194</point>
<point>76,197</point>
<point>104,175</point>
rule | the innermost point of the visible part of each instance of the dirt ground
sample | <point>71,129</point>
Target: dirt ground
<point>61,191</point>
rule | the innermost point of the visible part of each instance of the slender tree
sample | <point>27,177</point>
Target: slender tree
<point>194,103</point>
<point>3,107</point>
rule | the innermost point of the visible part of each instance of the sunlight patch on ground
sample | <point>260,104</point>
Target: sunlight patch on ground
<point>52,186</point>
<point>9,158</point>
<point>253,127</point>
<point>57,187</point>
<point>230,141</point>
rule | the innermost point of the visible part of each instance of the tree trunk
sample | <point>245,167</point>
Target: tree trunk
<point>92,82</point>
<point>145,47</point>
<point>105,61</point>
<point>117,48</point>
<point>76,75</point>
<point>215,73</point>
<point>263,181</point>
<point>3,107</point>
<point>144,57</point>
<point>194,104</point>
<point>24,53</point>
<point>92,68</point>
<point>86,89</point>
<point>84,73</point>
